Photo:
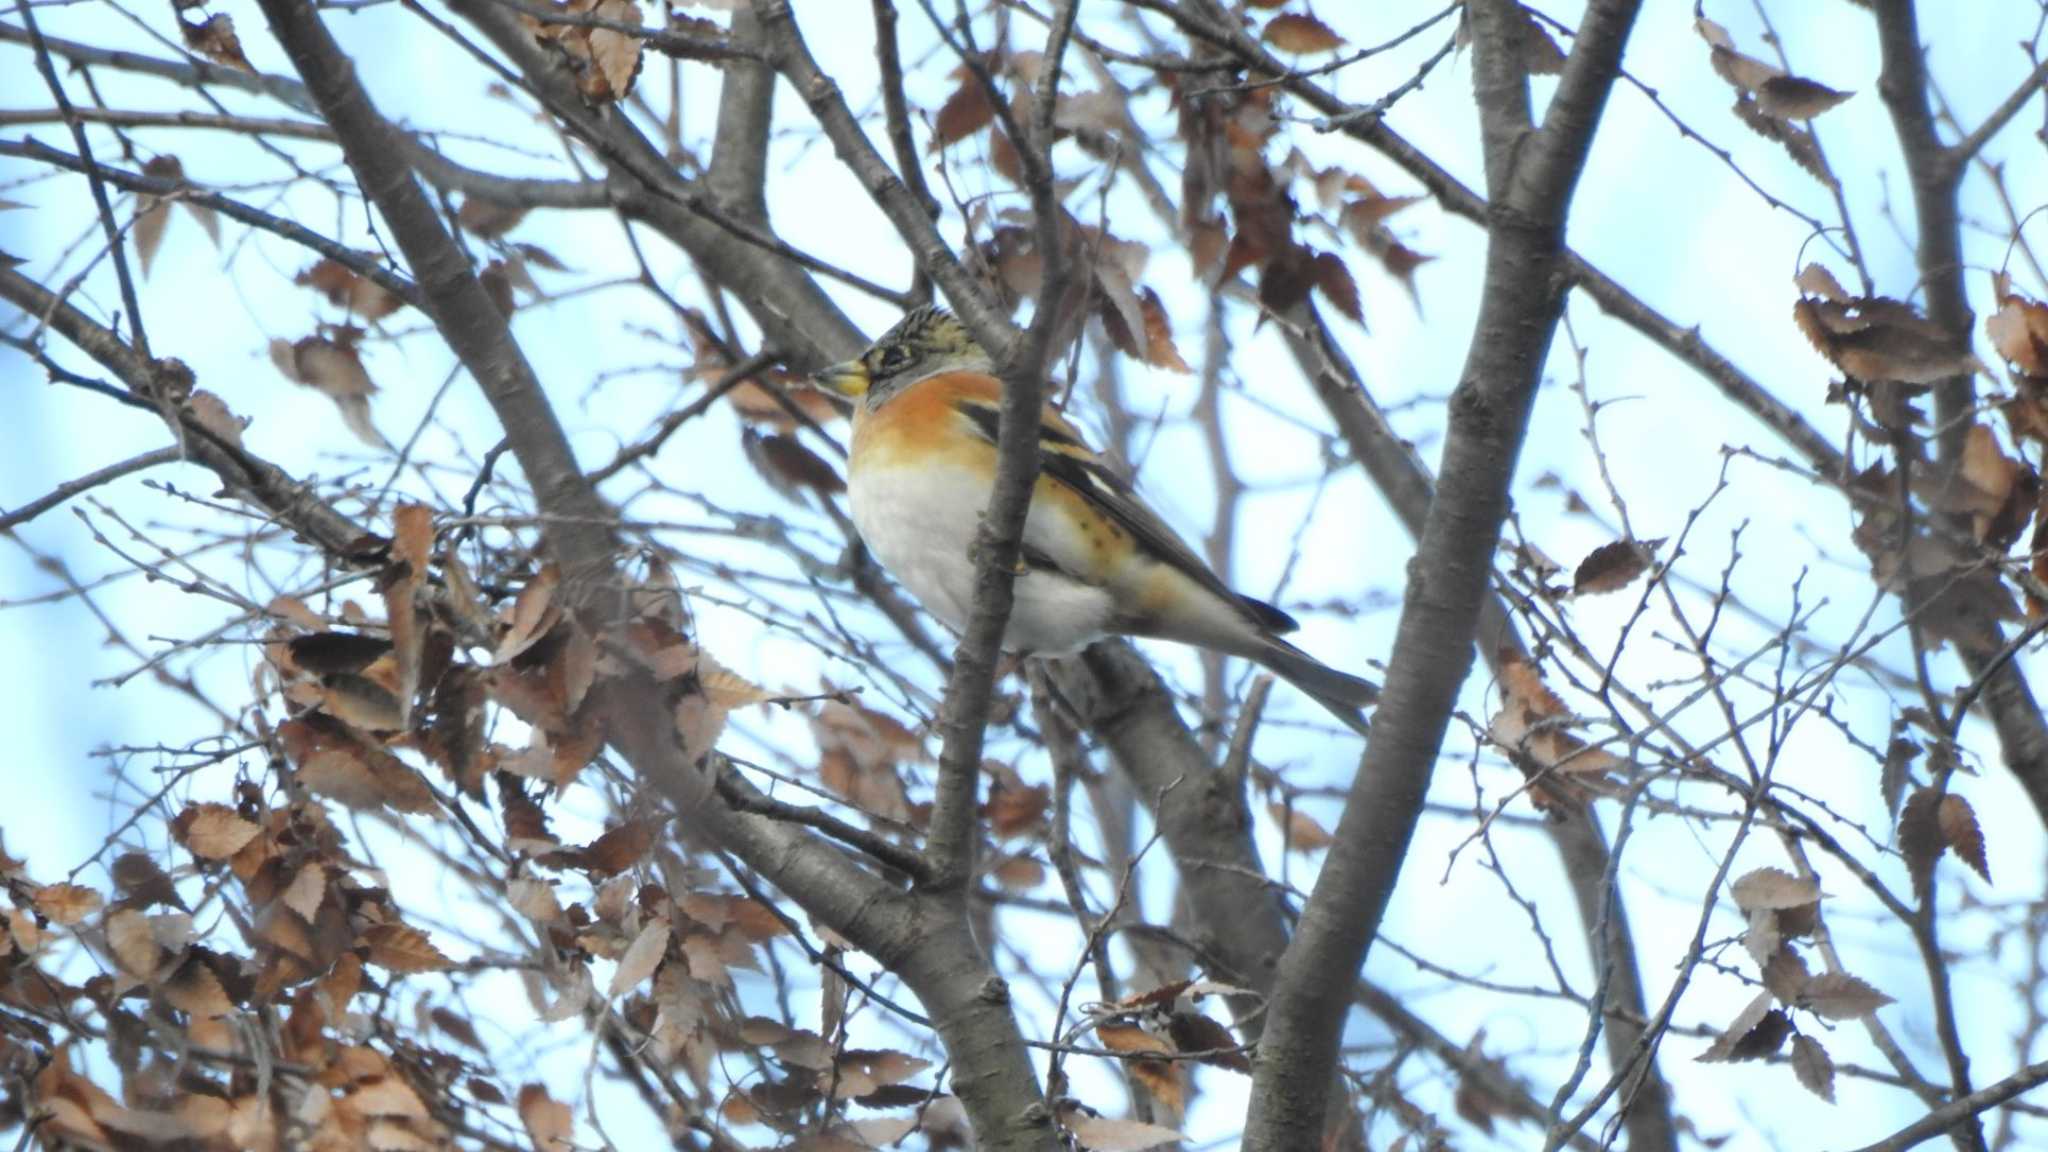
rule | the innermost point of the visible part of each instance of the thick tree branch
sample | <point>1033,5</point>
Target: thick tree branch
<point>929,946</point>
<point>1961,1110</point>
<point>970,691</point>
<point>1405,481</point>
<point>1520,304</point>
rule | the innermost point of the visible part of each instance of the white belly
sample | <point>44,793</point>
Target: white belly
<point>921,524</point>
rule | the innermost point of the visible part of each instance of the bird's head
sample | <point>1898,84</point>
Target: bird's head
<point>926,342</point>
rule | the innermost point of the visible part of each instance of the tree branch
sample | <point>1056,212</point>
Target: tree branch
<point>1960,1110</point>
<point>9,521</point>
<point>1522,299</point>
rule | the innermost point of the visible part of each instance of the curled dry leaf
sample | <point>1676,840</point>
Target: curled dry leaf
<point>213,831</point>
<point>67,904</point>
<point>1531,725</point>
<point>215,39</point>
<point>330,365</point>
<point>1997,492</point>
<point>549,1123</point>
<point>607,59</point>
<point>1300,34</point>
<point>788,466</point>
<point>967,111</point>
<point>1773,888</point>
<point>1612,567</point>
<point>1874,338</point>
<point>1777,93</point>
<point>345,289</point>
<point>490,219</point>
<point>1302,831</point>
<point>1758,1031</point>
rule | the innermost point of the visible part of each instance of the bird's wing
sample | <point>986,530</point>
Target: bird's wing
<point>1067,460</point>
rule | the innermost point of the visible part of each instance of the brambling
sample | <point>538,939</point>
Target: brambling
<point>1096,560</point>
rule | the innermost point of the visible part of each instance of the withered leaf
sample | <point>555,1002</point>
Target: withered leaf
<point>332,366</point>
<point>2018,330</point>
<point>1194,1032</point>
<point>641,958</point>
<point>402,948</point>
<point>615,851</point>
<point>1814,1067</point>
<point>1531,725</point>
<point>1875,338</point>
<point>215,39</point>
<point>1786,976</point>
<point>1103,1134</point>
<point>1302,831</point>
<point>1796,139</point>
<point>1153,346</point>
<point>1796,98</point>
<point>549,1123</point>
<point>213,831</point>
<point>1840,996</point>
<point>964,113</point>
<point>1756,1033</point>
<point>1300,34</point>
<point>1920,838</point>
<point>327,653</point>
<point>1614,566</point>
<point>344,288</point>
<point>1961,835</point>
<point>1772,888</point>
<point>1816,280</point>
<point>194,988</point>
<point>67,904</point>
<point>788,465</point>
<point>1333,280</point>
<point>489,218</point>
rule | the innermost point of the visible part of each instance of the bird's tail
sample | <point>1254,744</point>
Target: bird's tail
<point>1344,695</point>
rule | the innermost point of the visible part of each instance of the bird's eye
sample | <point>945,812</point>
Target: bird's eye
<point>894,357</point>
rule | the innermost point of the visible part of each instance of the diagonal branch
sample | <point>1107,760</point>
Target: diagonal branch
<point>929,946</point>
<point>1519,309</point>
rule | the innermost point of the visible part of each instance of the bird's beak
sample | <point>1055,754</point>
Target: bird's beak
<point>848,378</point>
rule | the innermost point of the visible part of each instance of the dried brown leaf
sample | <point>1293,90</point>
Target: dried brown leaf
<point>1103,1134</point>
<point>549,1123</point>
<point>343,288</point>
<point>67,904</point>
<point>1612,567</point>
<point>213,831</point>
<point>1757,1032</point>
<point>1300,34</point>
<point>1796,97</point>
<point>215,39</point>
<point>1772,888</point>
<point>641,958</point>
<point>402,948</point>
<point>1960,833</point>
<point>1814,1067</point>
<point>1840,996</point>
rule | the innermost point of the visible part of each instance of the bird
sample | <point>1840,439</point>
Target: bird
<point>1096,560</point>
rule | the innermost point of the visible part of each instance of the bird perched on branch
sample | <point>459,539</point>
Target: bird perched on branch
<point>1096,560</point>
